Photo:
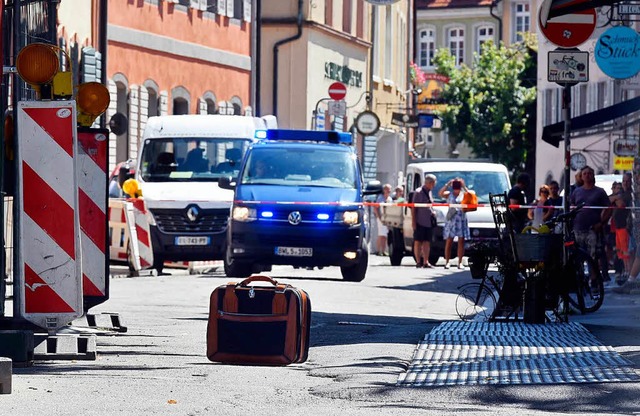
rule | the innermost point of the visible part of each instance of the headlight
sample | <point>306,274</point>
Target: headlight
<point>244,214</point>
<point>350,217</point>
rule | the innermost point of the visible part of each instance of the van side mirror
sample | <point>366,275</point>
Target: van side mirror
<point>227,182</point>
<point>372,188</point>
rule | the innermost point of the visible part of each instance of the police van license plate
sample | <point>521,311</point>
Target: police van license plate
<point>192,241</point>
<point>294,251</point>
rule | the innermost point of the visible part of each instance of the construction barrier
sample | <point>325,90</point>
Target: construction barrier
<point>48,288</point>
<point>142,234</point>
<point>92,200</point>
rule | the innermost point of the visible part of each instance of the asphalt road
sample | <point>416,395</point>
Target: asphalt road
<point>363,336</point>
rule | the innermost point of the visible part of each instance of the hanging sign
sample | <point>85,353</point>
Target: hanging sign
<point>617,52</point>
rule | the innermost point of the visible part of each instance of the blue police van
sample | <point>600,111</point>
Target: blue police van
<point>298,201</point>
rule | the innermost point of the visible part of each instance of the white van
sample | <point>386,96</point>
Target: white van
<point>180,161</point>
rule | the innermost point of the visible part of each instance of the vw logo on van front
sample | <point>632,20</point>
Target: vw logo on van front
<point>192,213</point>
<point>295,218</point>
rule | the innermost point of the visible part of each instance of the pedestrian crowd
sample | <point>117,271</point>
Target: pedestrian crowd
<point>607,233</point>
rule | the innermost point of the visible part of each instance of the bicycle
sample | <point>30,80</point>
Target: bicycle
<point>483,300</point>
<point>585,292</point>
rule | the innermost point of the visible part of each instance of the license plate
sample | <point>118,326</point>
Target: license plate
<point>294,251</point>
<point>192,241</point>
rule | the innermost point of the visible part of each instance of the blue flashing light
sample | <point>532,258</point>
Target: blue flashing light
<point>323,216</point>
<point>308,136</point>
<point>261,134</point>
<point>266,214</point>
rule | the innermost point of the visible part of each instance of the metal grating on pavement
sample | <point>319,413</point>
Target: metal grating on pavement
<point>473,353</point>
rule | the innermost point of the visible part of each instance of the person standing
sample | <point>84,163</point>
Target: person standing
<point>516,196</point>
<point>383,231</point>
<point>589,223</point>
<point>399,195</point>
<point>456,224</point>
<point>623,198</point>
<point>422,221</point>
<point>537,215</point>
<point>578,183</point>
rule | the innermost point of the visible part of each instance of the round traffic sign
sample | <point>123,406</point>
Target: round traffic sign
<point>567,30</point>
<point>367,123</point>
<point>337,91</point>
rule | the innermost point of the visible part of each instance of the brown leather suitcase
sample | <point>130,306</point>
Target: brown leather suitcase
<point>257,324</point>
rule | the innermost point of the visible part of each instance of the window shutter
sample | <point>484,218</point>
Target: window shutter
<point>88,65</point>
<point>247,10</point>
<point>164,103</point>
<point>222,7</point>
<point>202,106</point>
<point>230,8</point>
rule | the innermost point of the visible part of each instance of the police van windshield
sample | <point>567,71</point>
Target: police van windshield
<point>191,159</point>
<point>331,168</point>
<point>482,183</point>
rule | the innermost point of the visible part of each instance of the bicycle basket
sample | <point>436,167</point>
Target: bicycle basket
<point>537,247</point>
<point>480,256</point>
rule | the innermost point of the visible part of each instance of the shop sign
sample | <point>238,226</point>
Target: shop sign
<point>625,147</point>
<point>343,73</point>
<point>623,163</point>
<point>617,52</point>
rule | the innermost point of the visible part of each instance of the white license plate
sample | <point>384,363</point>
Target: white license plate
<point>294,251</point>
<point>192,241</point>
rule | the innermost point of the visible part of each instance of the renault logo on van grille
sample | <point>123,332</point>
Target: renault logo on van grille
<point>192,213</point>
<point>295,218</point>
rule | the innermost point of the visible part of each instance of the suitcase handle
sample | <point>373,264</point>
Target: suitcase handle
<point>257,278</point>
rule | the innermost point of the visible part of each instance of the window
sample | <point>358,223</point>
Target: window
<point>521,20</point>
<point>388,43</point>
<point>483,33</point>
<point>455,41</point>
<point>346,16</point>
<point>426,47</point>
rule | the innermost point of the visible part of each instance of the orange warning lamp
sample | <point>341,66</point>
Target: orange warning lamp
<point>37,64</point>
<point>131,187</point>
<point>92,99</point>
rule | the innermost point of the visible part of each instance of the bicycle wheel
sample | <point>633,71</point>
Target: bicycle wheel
<point>588,293</point>
<point>475,302</point>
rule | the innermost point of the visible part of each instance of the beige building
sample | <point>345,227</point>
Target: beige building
<point>305,46</point>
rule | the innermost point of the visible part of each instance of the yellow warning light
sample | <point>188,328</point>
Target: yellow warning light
<point>131,187</point>
<point>92,99</point>
<point>37,63</point>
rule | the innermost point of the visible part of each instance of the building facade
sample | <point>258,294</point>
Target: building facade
<point>305,46</point>
<point>175,57</point>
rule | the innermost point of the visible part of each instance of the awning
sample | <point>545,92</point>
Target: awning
<point>552,133</point>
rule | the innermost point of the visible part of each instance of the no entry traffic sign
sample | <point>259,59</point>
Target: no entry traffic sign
<point>567,30</point>
<point>337,91</point>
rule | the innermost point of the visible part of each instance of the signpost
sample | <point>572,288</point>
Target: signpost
<point>337,91</point>
<point>568,67</point>
<point>569,30</point>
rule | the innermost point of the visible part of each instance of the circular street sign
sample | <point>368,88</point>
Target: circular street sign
<point>367,123</point>
<point>568,30</point>
<point>616,52</point>
<point>337,91</point>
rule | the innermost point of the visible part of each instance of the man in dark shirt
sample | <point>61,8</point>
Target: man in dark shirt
<point>516,196</point>
<point>422,225</point>
<point>589,222</point>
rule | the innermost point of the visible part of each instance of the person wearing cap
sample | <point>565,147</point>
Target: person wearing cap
<point>456,224</point>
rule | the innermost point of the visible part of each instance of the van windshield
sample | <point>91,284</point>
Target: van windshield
<point>184,159</point>
<point>482,183</point>
<point>330,168</point>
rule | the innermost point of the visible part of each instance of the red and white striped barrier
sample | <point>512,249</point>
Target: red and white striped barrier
<point>92,199</point>
<point>49,274</point>
<point>118,231</point>
<point>142,234</point>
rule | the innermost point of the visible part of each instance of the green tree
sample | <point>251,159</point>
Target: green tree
<point>489,105</point>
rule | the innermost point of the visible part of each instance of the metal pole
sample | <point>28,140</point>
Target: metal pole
<point>566,114</point>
